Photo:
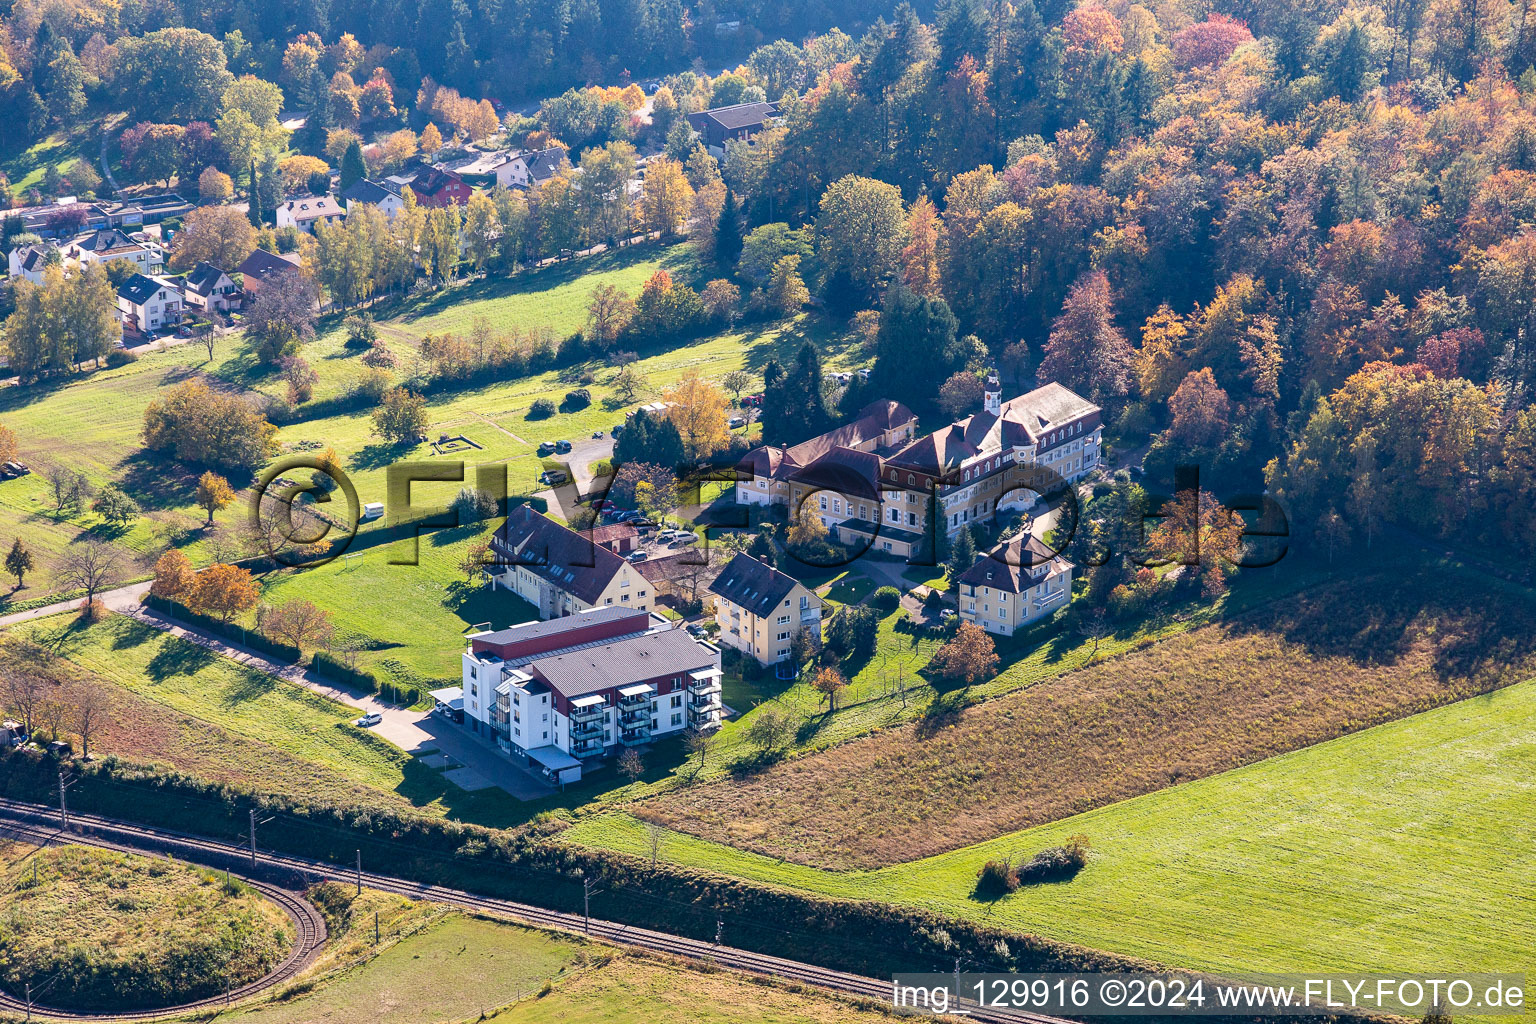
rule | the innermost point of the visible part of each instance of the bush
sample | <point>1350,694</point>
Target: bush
<point>1056,863</point>
<point>578,399</point>
<point>995,879</point>
<point>934,598</point>
<point>121,357</point>
<point>542,409</point>
<point>887,598</point>
<point>474,505</point>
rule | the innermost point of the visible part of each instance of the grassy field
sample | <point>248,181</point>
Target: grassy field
<point>1332,660</point>
<point>283,726</point>
<point>451,967</point>
<point>96,929</point>
<point>1405,847</point>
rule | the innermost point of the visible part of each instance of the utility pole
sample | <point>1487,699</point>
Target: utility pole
<point>359,872</point>
<point>253,837</point>
<point>587,892</point>
<point>29,1000</point>
<point>375,927</point>
<point>64,785</point>
<point>719,930</point>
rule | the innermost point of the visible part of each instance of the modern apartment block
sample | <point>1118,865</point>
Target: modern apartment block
<point>555,694</point>
<point>759,609</point>
<point>1016,583</point>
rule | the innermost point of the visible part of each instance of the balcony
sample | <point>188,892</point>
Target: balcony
<point>631,716</point>
<point>591,713</point>
<point>635,737</point>
<point>586,730</point>
<point>704,723</point>
<point>810,615</point>
<point>705,686</point>
<point>587,748</point>
<point>706,702</point>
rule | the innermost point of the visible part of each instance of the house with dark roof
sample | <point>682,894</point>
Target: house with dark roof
<point>764,474</point>
<point>531,169</point>
<point>759,609</point>
<point>260,268</point>
<point>149,304</point>
<point>210,289</point>
<point>1015,584</point>
<point>558,692</point>
<point>739,121</point>
<point>384,194</point>
<point>29,261</point>
<point>560,571</point>
<point>107,244</point>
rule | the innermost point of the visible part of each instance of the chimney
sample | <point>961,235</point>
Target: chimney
<point>992,397</point>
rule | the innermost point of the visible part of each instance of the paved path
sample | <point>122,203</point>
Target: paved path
<point>116,600</point>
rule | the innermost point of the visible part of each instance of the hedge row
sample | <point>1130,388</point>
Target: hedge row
<point>230,631</point>
<point>330,665</point>
<point>527,864</point>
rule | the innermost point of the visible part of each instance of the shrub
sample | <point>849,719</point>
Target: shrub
<point>995,879</point>
<point>474,505</point>
<point>887,598</point>
<point>541,409</point>
<point>121,357</point>
<point>934,598</point>
<point>1056,863</point>
<point>578,399</point>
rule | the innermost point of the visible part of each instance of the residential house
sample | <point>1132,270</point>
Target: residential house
<point>739,121</point>
<point>304,212</point>
<point>384,194</point>
<point>1016,583</point>
<point>261,267</point>
<point>558,692</point>
<point>107,244</point>
<point>149,304</point>
<point>765,473</point>
<point>531,169</point>
<point>561,572</point>
<point>210,289</point>
<point>29,261</point>
<point>759,609</point>
<point>438,188</point>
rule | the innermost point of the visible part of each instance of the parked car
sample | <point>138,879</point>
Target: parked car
<point>753,400</point>
<point>562,447</point>
<point>628,516</point>
<point>552,477</point>
<point>616,429</point>
<point>372,718</point>
<point>597,434</point>
<point>687,538</point>
<point>735,421</point>
<point>696,629</point>
<point>638,556</point>
<point>546,448</point>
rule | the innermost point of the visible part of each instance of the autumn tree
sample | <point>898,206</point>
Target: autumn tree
<point>960,395</point>
<point>298,623</point>
<point>786,290</point>
<point>829,682</point>
<point>630,764</point>
<point>1199,411</point>
<point>91,566</point>
<point>200,425</point>
<point>968,657</point>
<point>920,259</point>
<point>668,198</point>
<point>223,591</point>
<point>861,230</point>
<point>174,576</point>
<point>401,417</point>
<point>698,409</point>
<point>1086,351</point>
<point>220,235</point>
<point>213,494</point>
<point>609,312</point>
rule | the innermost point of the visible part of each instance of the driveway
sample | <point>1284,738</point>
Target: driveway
<point>117,600</point>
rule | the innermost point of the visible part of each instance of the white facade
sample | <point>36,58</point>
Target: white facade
<point>158,311</point>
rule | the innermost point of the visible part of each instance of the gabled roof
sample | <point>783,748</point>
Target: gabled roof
<point>844,470</point>
<point>527,631</point>
<point>1024,420</point>
<point>104,240</point>
<point>433,180</point>
<point>262,265</point>
<point>756,586</point>
<point>874,420</point>
<point>1008,567</point>
<point>740,115</point>
<point>544,164</point>
<point>139,289</point>
<point>34,257</point>
<point>564,558</point>
<point>366,190</point>
<point>314,207</point>
<point>204,278</point>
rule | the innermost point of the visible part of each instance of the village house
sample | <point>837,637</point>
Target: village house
<point>367,192</point>
<point>561,572</point>
<point>1016,583</point>
<point>149,304</point>
<point>210,289</point>
<point>260,268</point>
<point>531,169</point>
<point>29,261</point>
<point>556,693</point>
<point>759,609</point>
<point>740,121</point>
<point>108,244</point>
<point>435,187</point>
<point>766,472</point>
<point>304,212</point>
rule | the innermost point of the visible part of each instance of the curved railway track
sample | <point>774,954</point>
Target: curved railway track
<point>309,936</point>
<point>128,837</point>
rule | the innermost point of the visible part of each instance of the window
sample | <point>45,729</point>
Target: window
<point>863,512</point>
<point>783,620</point>
<point>641,594</point>
<point>823,504</point>
<point>805,601</point>
<point>624,598</point>
<point>837,506</point>
<point>677,700</point>
<point>677,720</point>
<point>783,635</point>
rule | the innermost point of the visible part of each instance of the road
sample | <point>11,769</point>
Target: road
<point>218,855</point>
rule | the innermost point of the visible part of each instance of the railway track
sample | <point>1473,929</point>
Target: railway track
<point>129,837</point>
<point>309,936</point>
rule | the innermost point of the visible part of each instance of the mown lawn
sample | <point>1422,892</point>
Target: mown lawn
<point>308,732</point>
<point>1407,847</point>
<point>1331,660</point>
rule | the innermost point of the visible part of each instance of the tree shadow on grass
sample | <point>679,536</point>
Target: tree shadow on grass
<point>157,482</point>
<point>249,685</point>
<point>178,658</point>
<point>379,455</point>
<point>132,634</point>
<point>944,711</point>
